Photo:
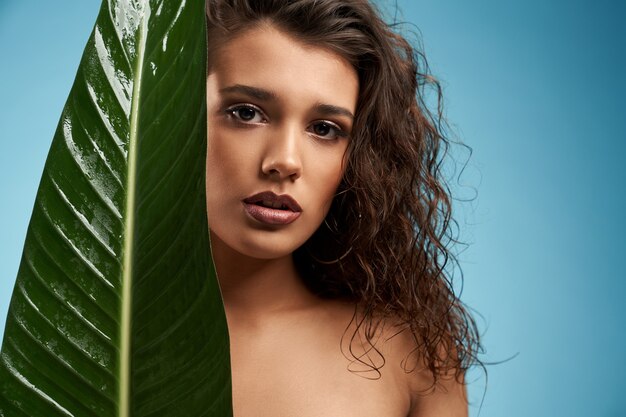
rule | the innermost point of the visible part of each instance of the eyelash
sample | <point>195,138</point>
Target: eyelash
<point>232,110</point>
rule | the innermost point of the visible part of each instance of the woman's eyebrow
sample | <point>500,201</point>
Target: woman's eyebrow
<point>254,92</point>
<point>266,95</point>
<point>330,110</point>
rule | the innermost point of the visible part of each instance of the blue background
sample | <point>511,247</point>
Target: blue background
<point>537,89</point>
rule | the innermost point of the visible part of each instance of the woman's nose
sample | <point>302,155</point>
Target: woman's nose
<point>282,156</point>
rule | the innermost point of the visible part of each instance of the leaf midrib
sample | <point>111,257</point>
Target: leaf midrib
<point>129,226</point>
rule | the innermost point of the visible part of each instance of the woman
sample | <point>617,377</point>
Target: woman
<point>328,215</point>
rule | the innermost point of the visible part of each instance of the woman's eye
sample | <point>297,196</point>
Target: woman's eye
<point>327,130</point>
<point>246,114</point>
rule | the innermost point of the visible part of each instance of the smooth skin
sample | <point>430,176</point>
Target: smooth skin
<point>279,118</point>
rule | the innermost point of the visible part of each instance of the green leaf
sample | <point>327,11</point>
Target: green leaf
<point>116,309</point>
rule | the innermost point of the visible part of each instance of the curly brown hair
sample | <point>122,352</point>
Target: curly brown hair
<point>385,243</point>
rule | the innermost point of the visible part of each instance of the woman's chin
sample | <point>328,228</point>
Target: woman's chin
<point>267,250</point>
<point>256,247</point>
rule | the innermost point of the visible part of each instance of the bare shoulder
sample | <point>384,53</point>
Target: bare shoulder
<point>391,359</point>
<point>318,361</point>
<point>445,397</point>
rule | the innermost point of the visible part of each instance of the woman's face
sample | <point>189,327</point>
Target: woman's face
<point>279,116</point>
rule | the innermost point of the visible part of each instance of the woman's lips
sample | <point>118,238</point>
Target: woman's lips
<point>269,215</point>
<point>284,211</point>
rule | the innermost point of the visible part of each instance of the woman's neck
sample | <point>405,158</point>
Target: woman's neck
<point>253,289</point>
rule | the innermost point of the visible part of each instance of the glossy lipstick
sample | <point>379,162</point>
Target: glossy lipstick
<point>272,209</point>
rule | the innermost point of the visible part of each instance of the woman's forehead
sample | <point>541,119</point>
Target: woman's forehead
<point>270,59</point>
